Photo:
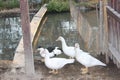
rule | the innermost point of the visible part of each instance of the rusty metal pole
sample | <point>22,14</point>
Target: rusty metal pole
<point>25,22</point>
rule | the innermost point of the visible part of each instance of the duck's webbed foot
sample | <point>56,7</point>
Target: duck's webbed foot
<point>84,70</point>
<point>54,71</point>
<point>42,60</point>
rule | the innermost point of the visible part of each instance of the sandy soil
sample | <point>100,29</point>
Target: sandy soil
<point>68,72</point>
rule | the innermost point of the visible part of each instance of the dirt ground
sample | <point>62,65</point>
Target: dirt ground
<point>68,72</point>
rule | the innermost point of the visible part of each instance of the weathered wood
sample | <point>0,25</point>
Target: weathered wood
<point>25,22</point>
<point>113,13</point>
<point>35,41</point>
<point>86,31</point>
<point>112,35</point>
<point>114,52</point>
<point>19,61</point>
<point>119,37</point>
<point>113,39</point>
<point>117,32</point>
<point>118,6</point>
<point>101,27</point>
<point>109,30</point>
<point>105,31</point>
<point>36,20</point>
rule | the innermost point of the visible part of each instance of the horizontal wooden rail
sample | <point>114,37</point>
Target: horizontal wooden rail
<point>113,13</point>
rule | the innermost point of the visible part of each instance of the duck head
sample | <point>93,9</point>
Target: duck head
<point>77,45</point>
<point>42,52</point>
<point>60,38</point>
<point>39,50</point>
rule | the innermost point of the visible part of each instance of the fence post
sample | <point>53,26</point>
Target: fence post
<point>25,22</point>
<point>101,33</point>
<point>106,31</point>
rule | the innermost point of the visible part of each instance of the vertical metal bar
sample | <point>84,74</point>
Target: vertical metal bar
<point>25,22</point>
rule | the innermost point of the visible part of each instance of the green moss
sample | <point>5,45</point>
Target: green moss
<point>9,4</point>
<point>58,6</point>
<point>13,4</point>
<point>53,5</point>
<point>87,4</point>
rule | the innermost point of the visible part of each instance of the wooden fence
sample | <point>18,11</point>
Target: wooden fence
<point>113,15</point>
<point>107,37</point>
<point>88,33</point>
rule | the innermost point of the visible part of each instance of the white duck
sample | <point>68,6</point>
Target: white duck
<point>56,51</point>
<point>42,53</point>
<point>68,50</point>
<point>55,63</point>
<point>86,59</point>
<point>51,48</point>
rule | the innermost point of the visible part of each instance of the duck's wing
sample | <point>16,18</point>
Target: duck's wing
<point>51,54</point>
<point>95,61</point>
<point>92,61</point>
<point>57,52</point>
<point>61,60</point>
<point>70,49</point>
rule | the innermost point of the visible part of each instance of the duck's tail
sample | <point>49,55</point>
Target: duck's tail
<point>70,60</point>
<point>103,64</point>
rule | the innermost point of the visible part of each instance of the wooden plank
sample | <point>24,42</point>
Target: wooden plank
<point>101,27</point>
<point>115,29</point>
<point>115,53</point>
<point>35,41</point>
<point>119,37</point>
<point>105,27</point>
<point>111,30</point>
<point>25,23</point>
<point>113,13</point>
<point>118,6</point>
<point>36,20</point>
<point>117,32</point>
<point>109,41</point>
<point>106,31</point>
<point>19,61</point>
<point>113,39</point>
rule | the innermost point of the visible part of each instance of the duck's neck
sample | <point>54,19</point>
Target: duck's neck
<point>47,57</point>
<point>63,43</point>
<point>77,52</point>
